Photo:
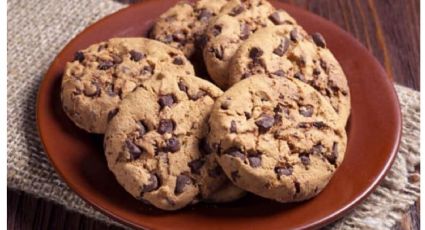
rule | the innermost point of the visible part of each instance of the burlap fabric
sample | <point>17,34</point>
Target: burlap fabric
<point>37,30</point>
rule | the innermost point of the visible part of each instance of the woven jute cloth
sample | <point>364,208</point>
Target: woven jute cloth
<point>38,30</point>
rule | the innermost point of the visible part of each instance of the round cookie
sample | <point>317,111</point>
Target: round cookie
<point>183,25</point>
<point>156,143</point>
<point>104,73</point>
<point>235,23</point>
<point>288,51</point>
<point>277,138</point>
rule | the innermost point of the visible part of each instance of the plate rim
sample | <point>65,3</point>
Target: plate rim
<point>337,214</point>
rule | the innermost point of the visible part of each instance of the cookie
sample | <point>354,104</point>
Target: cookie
<point>104,73</point>
<point>288,51</point>
<point>183,25</point>
<point>234,24</point>
<point>156,143</point>
<point>276,137</point>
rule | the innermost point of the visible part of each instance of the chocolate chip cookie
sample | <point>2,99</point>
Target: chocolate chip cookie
<point>104,73</point>
<point>183,25</point>
<point>276,137</point>
<point>236,21</point>
<point>156,142</point>
<point>288,51</point>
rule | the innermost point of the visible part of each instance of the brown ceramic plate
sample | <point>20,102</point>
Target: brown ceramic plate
<point>373,130</point>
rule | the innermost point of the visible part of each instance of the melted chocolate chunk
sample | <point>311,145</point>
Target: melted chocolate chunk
<point>279,73</point>
<point>133,149</point>
<point>237,10</point>
<point>216,30</point>
<point>233,128</point>
<point>136,56</point>
<point>198,95</point>
<point>245,31</point>
<point>305,160</point>
<point>166,126</point>
<point>319,40</point>
<point>196,165</point>
<point>152,185</point>
<point>294,35</point>
<point>172,145</point>
<point>254,160</point>
<point>141,128</point>
<point>181,182</point>
<point>116,59</point>
<point>265,123</point>
<point>112,113</point>
<point>105,64</point>
<point>182,86</point>
<point>235,152</point>
<point>225,105</point>
<point>255,53</point>
<point>282,48</point>
<point>306,110</point>
<point>79,56</point>
<point>275,18</point>
<point>166,100</point>
<point>299,76</point>
<point>178,61</point>
<point>203,146</point>
<point>283,170</point>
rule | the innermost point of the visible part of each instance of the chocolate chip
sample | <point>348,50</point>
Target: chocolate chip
<point>275,18</point>
<point>316,71</point>
<point>166,100</point>
<point>215,172</point>
<point>245,75</point>
<point>133,149</point>
<point>152,185</point>
<point>196,165</point>
<point>245,31</point>
<point>182,86</point>
<point>319,124</point>
<point>92,90</point>
<point>265,123</point>
<point>294,35</point>
<point>317,149</point>
<point>233,128</point>
<point>247,115</point>
<point>116,59</point>
<point>234,175</point>
<point>172,145</point>
<point>147,70</point>
<point>166,126</point>
<point>181,182</point>
<point>304,125</point>
<point>237,10</point>
<point>319,40</point>
<point>216,30</point>
<point>136,56</point>
<point>299,76</point>
<point>218,52</point>
<point>198,95</point>
<point>112,113</point>
<point>178,61</point>
<point>283,170</point>
<point>254,160</point>
<point>297,187</point>
<point>225,105</point>
<point>255,53</point>
<point>279,73</point>
<point>334,154</point>
<point>142,128</point>
<point>305,159</point>
<point>204,15</point>
<point>179,37</point>
<point>235,152</point>
<point>105,64</point>
<point>282,48</point>
<point>79,56</point>
<point>203,146</point>
<point>306,110</point>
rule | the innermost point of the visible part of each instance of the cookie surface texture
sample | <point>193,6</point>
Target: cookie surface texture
<point>235,23</point>
<point>183,25</point>
<point>155,144</point>
<point>277,138</point>
<point>104,73</point>
<point>288,51</point>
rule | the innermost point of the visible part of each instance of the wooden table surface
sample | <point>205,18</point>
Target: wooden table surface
<point>389,29</point>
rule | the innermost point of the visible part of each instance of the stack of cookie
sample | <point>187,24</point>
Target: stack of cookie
<point>174,139</point>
